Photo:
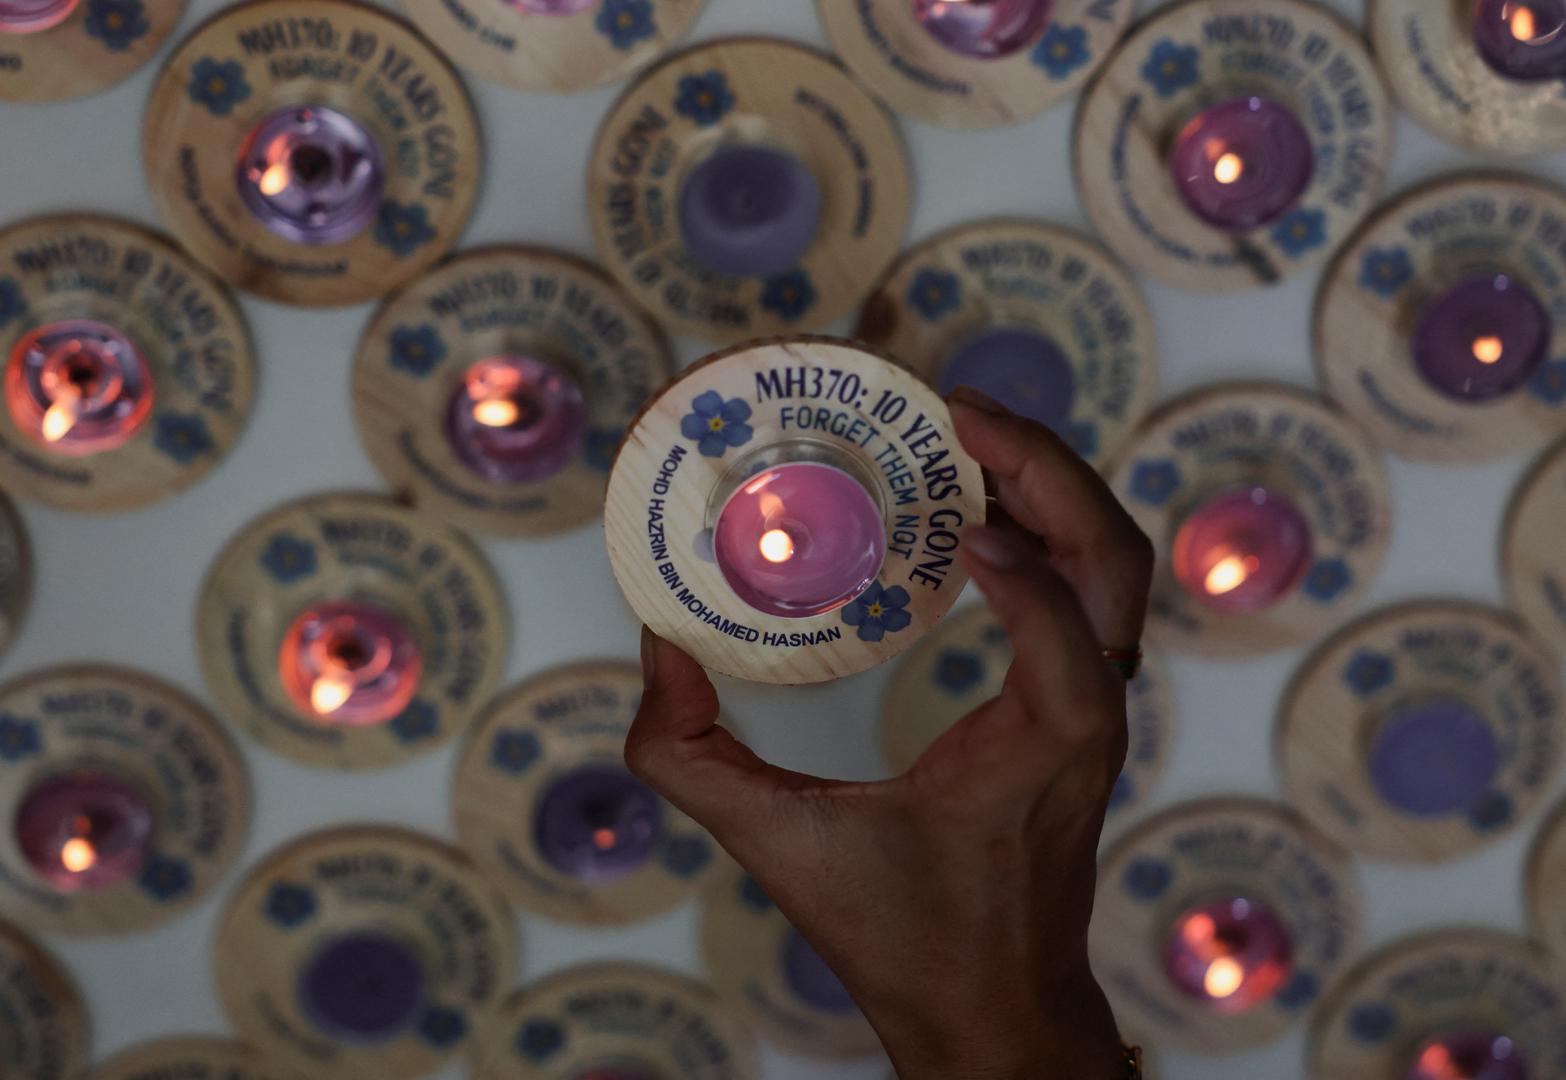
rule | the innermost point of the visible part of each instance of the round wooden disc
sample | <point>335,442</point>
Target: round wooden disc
<point>1186,57</point>
<point>187,328</point>
<point>16,572</point>
<point>253,59</point>
<point>962,663</point>
<point>833,393</point>
<point>1378,285</point>
<point>1190,855</point>
<point>1292,442</point>
<point>98,45</point>
<point>337,547</point>
<point>191,1058</point>
<point>1019,273</point>
<point>1396,658</point>
<point>907,67</point>
<point>1460,980</point>
<point>1428,54</point>
<point>515,301</point>
<point>744,938</point>
<point>1546,885</point>
<point>1533,562</point>
<point>154,736</point>
<point>391,881</point>
<point>605,1016</point>
<point>563,53</point>
<point>747,91</point>
<point>45,1020</point>
<point>563,720</point>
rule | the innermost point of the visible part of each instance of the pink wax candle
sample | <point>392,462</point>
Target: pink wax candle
<point>1522,39</point>
<point>31,16</point>
<point>78,387</point>
<point>1232,954</point>
<point>516,419</point>
<point>350,663</point>
<point>1242,551</point>
<point>312,175</point>
<point>984,29</point>
<point>1469,1055</point>
<point>84,830</point>
<point>1242,163</point>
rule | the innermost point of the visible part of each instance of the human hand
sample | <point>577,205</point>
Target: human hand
<point>954,901</point>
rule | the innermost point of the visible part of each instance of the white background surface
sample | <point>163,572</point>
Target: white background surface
<point>123,589</point>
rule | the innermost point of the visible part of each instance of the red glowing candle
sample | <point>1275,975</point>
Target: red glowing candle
<point>78,387</point>
<point>1469,1055</point>
<point>1243,550</point>
<point>1243,163</point>
<point>516,419</point>
<point>84,830</point>
<point>1232,954</point>
<point>31,16</point>
<point>984,29</point>
<point>350,663</point>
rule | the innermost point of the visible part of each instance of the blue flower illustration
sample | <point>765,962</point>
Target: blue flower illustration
<point>714,425</point>
<point>753,895</point>
<point>441,1027</point>
<point>1155,482</point>
<point>1081,437</point>
<point>879,611</point>
<point>13,305</point>
<point>1328,580</point>
<point>958,671</point>
<point>18,738</point>
<point>704,99</point>
<point>1171,68</point>
<point>218,84</point>
<point>514,751</point>
<point>418,721</point>
<point>539,1040</point>
<point>290,905</point>
<point>1385,271</point>
<point>1491,812</point>
<point>995,634</point>
<point>416,349</point>
<point>626,22</point>
<point>1062,50</point>
<point>1148,879</point>
<point>183,437</point>
<point>1369,672</point>
<point>1299,991</point>
<point>1548,384</point>
<point>1122,793</point>
<point>1373,1023</point>
<point>403,229</point>
<point>934,293</point>
<point>116,23</point>
<point>1300,231</point>
<point>599,447</point>
<point>288,558</point>
<point>789,296</point>
<point>164,878</point>
<point>687,856</point>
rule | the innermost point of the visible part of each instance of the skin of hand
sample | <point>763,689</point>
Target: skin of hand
<point>954,901</point>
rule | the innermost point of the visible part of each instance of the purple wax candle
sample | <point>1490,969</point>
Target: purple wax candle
<point>1469,1055</point>
<point>598,824</point>
<point>350,663</point>
<point>365,987</point>
<point>516,419</point>
<point>84,830</point>
<point>1522,39</point>
<point>1482,338</point>
<point>749,211</point>
<point>1021,368</point>
<point>800,540</point>
<point>78,387</point>
<point>312,175</point>
<point>552,7</point>
<point>31,16</point>
<point>1434,758</point>
<point>1243,163</point>
<point>1232,954</point>
<point>1242,551</point>
<point>811,980</point>
<point>984,29</point>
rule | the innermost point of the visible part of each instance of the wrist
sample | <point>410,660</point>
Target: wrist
<point>1081,1048</point>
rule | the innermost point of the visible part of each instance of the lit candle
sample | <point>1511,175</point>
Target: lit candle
<point>84,830</point>
<point>598,823</point>
<point>365,987</point>
<point>31,16</point>
<point>78,387</point>
<point>1021,368</point>
<point>1242,163</point>
<point>552,7</point>
<point>1482,338</point>
<point>984,29</point>
<point>1434,757</point>
<point>350,663</point>
<point>1469,1055</point>
<point>312,175</point>
<point>749,211</point>
<point>1522,39</point>
<point>800,539</point>
<point>1233,954</point>
<point>516,419</point>
<point>811,980</point>
<point>1242,550</point>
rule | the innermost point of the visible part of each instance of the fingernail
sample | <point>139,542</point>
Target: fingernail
<point>995,548</point>
<point>978,400</point>
<point>649,653</point>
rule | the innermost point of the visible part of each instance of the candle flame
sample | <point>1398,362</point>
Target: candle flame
<point>274,179</point>
<point>330,693</point>
<point>603,839</point>
<point>62,414</point>
<point>1228,168</point>
<point>496,412</point>
<point>777,546</point>
<point>1489,349</point>
<point>77,855</point>
<point>1224,978</point>
<point>1229,573</point>
<point>1523,24</point>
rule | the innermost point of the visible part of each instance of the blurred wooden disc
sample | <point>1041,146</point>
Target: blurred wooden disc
<point>502,302</point>
<point>339,547</point>
<point>331,886</point>
<point>188,330</point>
<point>46,1036</point>
<point>1546,884</point>
<point>1533,562</point>
<point>190,1058</point>
<point>1204,851</point>
<point>747,91</point>
<point>252,59</point>
<point>98,44</point>
<point>150,735</point>
<point>1193,54</point>
<point>1020,274</point>
<point>883,42</point>
<point>643,1020</point>
<point>16,571</point>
